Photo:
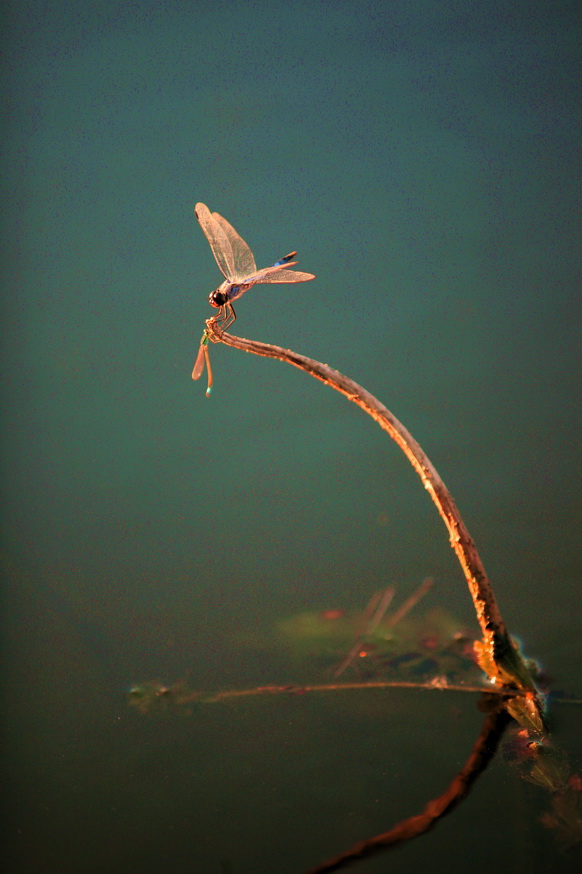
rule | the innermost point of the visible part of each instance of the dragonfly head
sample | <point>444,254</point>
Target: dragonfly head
<point>217,298</point>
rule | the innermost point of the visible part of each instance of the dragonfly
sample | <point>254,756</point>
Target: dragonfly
<point>236,262</point>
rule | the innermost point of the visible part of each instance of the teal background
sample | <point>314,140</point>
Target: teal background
<point>423,159</point>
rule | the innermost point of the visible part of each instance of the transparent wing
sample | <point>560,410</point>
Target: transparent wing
<point>200,362</point>
<point>244,262</point>
<point>219,240</point>
<point>280,273</point>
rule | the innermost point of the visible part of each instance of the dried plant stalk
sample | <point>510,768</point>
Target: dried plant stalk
<point>499,657</point>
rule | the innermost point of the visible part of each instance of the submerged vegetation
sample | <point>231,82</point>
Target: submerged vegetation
<point>368,649</point>
<point>405,647</point>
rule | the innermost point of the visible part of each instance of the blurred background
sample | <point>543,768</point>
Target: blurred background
<point>424,161</point>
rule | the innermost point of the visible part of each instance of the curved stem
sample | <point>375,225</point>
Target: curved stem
<point>498,656</point>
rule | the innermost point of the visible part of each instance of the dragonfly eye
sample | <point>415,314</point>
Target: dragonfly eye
<point>217,298</point>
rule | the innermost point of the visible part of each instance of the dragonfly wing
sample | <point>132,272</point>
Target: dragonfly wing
<point>200,362</point>
<point>218,238</point>
<point>281,274</point>
<point>244,261</point>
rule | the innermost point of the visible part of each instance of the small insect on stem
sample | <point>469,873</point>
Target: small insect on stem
<point>203,358</point>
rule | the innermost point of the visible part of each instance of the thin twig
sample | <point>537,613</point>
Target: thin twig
<point>151,697</point>
<point>410,602</point>
<point>383,604</point>
<point>377,606</point>
<point>499,657</point>
<point>436,685</point>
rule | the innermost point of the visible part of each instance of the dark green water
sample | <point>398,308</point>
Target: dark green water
<point>422,159</point>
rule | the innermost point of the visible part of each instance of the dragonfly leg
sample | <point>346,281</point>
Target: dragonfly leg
<point>226,316</point>
<point>231,318</point>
